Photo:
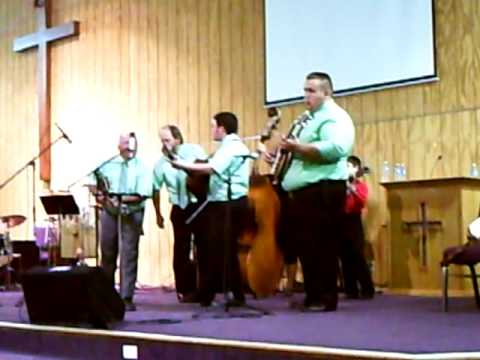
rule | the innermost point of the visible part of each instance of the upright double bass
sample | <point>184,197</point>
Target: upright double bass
<point>261,261</point>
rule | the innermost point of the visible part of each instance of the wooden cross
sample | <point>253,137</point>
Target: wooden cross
<point>424,225</point>
<point>41,39</point>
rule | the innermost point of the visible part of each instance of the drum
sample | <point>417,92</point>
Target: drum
<point>5,244</point>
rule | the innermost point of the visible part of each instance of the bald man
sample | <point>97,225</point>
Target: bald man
<point>128,184</point>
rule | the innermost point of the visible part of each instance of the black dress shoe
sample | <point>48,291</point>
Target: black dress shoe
<point>208,305</point>
<point>129,305</point>
<point>188,298</point>
<point>318,308</point>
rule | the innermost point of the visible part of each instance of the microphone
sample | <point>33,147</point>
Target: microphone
<point>63,133</point>
<point>132,145</point>
<point>437,160</point>
<point>132,142</point>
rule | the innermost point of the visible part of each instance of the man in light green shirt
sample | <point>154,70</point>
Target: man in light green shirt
<point>315,188</point>
<point>222,220</point>
<point>183,205</point>
<point>127,183</point>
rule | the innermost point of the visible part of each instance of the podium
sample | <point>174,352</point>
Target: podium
<point>427,216</point>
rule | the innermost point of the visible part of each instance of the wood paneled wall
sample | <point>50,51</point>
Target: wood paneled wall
<point>140,64</point>
<point>414,125</point>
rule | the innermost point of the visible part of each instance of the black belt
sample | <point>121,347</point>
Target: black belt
<point>313,187</point>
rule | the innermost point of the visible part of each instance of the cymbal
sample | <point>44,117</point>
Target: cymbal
<point>12,220</point>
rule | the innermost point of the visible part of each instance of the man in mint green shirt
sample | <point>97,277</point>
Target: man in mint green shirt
<point>183,205</point>
<point>315,189</point>
<point>127,183</point>
<point>222,220</point>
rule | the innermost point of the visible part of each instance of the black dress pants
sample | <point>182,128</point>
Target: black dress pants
<point>219,226</point>
<point>357,279</point>
<point>314,217</point>
<point>184,268</point>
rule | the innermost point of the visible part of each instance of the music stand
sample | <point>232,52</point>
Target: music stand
<point>60,205</point>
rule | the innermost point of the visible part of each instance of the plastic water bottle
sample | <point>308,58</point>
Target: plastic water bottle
<point>403,168</point>
<point>397,172</point>
<point>474,170</point>
<point>385,171</point>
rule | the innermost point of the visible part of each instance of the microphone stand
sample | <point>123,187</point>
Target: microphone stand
<point>34,206</point>
<point>14,175</point>
<point>254,312</point>
<point>31,163</point>
<point>437,160</point>
<point>119,198</point>
<point>92,171</point>
<point>122,218</point>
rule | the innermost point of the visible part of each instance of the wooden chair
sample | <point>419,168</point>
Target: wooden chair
<point>467,255</point>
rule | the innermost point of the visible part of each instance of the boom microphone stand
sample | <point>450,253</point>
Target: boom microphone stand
<point>92,171</point>
<point>31,163</point>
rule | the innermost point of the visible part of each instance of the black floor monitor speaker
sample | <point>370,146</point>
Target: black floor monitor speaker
<point>78,296</point>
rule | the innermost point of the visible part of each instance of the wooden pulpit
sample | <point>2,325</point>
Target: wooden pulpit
<point>426,216</point>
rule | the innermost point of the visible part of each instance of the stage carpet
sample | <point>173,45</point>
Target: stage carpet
<point>389,326</point>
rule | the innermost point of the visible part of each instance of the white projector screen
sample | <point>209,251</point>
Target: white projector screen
<point>362,44</point>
